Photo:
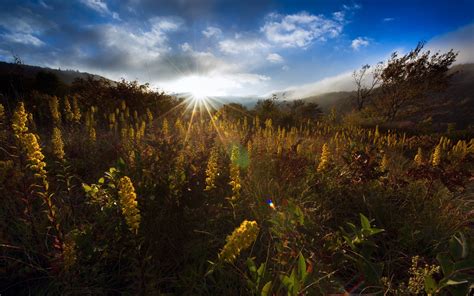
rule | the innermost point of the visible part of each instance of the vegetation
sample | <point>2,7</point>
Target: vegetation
<point>116,189</point>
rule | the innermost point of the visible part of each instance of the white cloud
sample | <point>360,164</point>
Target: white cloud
<point>339,16</point>
<point>186,47</point>
<point>212,32</point>
<point>242,45</point>
<point>461,40</point>
<point>101,7</point>
<point>23,38</point>
<point>137,45</point>
<point>341,82</point>
<point>274,58</point>
<point>360,42</point>
<point>388,19</point>
<point>301,29</point>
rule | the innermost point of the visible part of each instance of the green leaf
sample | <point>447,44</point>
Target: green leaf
<point>302,267</point>
<point>464,264</point>
<point>364,222</point>
<point>447,265</point>
<point>266,289</point>
<point>261,270</point>
<point>252,267</point>
<point>430,285</point>
<point>458,246</point>
<point>101,180</point>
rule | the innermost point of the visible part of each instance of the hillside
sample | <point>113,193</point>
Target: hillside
<point>456,104</point>
<point>66,76</point>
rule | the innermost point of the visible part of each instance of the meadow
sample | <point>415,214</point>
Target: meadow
<point>173,197</point>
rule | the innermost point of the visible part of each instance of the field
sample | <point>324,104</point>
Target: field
<point>173,197</point>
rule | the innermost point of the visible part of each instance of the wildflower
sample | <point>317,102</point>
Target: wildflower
<point>76,110</point>
<point>58,145</point>
<point>19,120</point>
<point>2,114</point>
<point>149,115</point>
<point>436,157</point>
<point>165,127</point>
<point>128,202</point>
<point>35,157</point>
<point>324,163</point>
<point>211,170</point>
<point>419,157</point>
<point>68,110</point>
<point>418,273</point>
<point>92,134</point>
<point>54,108</point>
<point>235,173</point>
<point>384,163</point>
<point>240,239</point>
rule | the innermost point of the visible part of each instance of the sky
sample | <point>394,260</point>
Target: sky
<point>230,48</point>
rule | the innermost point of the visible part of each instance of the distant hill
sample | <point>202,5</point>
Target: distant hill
<point>456,104</point>
<point>331,99</point>
<point>66,76</point>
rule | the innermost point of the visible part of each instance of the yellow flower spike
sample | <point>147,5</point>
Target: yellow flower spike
<point>240,239</point>
<point>384,163</point>
<point>54,108</point>
<point>58,144</point>
<point>92,134</point>
<point>436,158</point>
<point>19,120</point>
<point>211,170</point>
<point>324,162</point>
<point>2,113</point>
<point>235,173</point>
<point>419,157</point>
<point>129,204</point>
<point>76,110</point>
<point>68,110</point>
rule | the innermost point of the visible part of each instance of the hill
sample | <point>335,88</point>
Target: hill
<point>28,71</point>
<point>455,105</point>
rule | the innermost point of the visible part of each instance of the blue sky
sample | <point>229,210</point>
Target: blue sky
<point>225,47</point>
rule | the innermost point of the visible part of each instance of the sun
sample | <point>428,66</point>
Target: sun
<point>200,96</point>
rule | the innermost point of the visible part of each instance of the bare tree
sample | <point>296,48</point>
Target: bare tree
<point>364,90</point>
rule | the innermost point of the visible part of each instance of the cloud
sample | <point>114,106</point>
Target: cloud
<point>274,58</point>
<point>461,40</point>
<point>23,28</point>
<point>101,7</point>
<point>388,19</point>
<point>212,32</point>
<point>360,42</point>
<point>240,45</point>
<point>186,47</point>
<point>44,5</point>
<point>339,16</point>
<point>23,38</point>
<point>301,29</point>
<point>341,82</point>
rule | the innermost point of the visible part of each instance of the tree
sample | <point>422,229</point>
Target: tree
<point>363,90</point>
<point>406,81</point>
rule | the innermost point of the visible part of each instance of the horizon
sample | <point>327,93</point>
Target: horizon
<point>226,48</point>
